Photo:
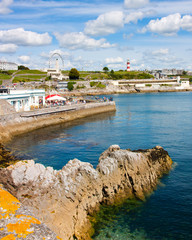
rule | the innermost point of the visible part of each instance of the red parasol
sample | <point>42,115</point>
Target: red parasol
<point>52,95</point>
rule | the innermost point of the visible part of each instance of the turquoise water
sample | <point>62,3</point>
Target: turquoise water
<point>141,121</point>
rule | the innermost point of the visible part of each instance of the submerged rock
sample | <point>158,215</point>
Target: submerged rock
<point>64,199</point>
<point>6,158</point>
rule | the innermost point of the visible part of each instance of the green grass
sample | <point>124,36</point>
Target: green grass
<point>97,84</point>
<point>96,75</point>
<point>129,75</point>
<point>27,78</point>
<point>1,82</point>
<point>83,75</point>
<point>5,76</point>
<point>12,71</point>
<point>100,85</point>
<point>93,84</point>
<point>186,76</point>
<point>31,72</point>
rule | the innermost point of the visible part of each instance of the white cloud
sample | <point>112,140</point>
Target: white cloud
<point>160,52</point>
<point>105,24</point>
<point>24,38</point>
<point>135,16</point>
<point>116,66</point>
<point>169,25</point>
<point>114,60</point>
<point>24,59</point>
<point>59,51</point>
<point>111,22</point>
<point>4,6</point>
<point>135,3</point>
<point>186,23</point>
<point>8,48</point>
<point>78,40</point>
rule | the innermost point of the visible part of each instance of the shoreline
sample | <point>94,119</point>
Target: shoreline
<point>18,123</point>
<point>79,93</point>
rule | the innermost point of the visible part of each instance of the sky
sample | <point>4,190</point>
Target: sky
<point>90,35</point>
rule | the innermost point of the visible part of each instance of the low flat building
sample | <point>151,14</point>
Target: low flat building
<point>24,100</point>
<point>62,86</point>
<point>8,66</point>
<point>138,83</point>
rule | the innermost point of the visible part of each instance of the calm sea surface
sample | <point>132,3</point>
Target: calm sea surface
<point>141,121</point>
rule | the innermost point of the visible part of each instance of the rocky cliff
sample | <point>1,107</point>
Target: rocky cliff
<point>64,199</point>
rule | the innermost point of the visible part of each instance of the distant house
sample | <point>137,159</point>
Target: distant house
<point>24,100</point>
<point>62,86</point>
<point>8,66</point>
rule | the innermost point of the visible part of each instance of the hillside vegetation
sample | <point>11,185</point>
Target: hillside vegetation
<point>96,75</point>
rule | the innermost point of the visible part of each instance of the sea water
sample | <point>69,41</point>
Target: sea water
<point>141,121</point>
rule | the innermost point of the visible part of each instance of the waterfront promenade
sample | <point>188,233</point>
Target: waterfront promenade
<point>17,123</point>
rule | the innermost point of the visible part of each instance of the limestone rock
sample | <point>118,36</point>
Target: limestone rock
<point>63,199</point>
<point>17,222</point>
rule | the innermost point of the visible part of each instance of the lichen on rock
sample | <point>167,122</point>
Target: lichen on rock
<point>16,222</point>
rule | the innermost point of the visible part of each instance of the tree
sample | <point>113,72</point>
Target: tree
<point>21,67</point>
<point>70,86</point>
<point>74,74</point>
<point>106,69</point>
<point>184,72</point>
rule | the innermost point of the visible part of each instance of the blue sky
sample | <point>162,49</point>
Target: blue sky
<point>153,34</point>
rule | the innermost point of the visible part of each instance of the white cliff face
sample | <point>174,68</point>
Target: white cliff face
<point>63,199</point>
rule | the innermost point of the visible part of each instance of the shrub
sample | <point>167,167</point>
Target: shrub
<point>74,74</point>
<point>21,67</point>
<point>70,86</point>
<point>93,84</point>
<point>5,72</point>
<point>100,85</point>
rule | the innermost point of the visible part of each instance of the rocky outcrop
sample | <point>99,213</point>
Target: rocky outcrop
<point>64,199</point>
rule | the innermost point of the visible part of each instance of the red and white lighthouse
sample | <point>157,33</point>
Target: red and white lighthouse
<point>128,65</point>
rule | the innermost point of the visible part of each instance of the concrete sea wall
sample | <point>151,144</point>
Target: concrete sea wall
<point>18,123</point>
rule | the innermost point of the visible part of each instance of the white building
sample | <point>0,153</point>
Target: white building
<point>8,66</point>
<point>138,83</point>
<point>24,100</point>
<point>62,86</point>
<point>56,73</point>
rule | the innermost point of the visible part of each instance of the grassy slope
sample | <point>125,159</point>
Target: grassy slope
<point>30,72</point>
<point>5,76</point>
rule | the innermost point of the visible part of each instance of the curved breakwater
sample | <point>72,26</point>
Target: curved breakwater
<point>15,124</point>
